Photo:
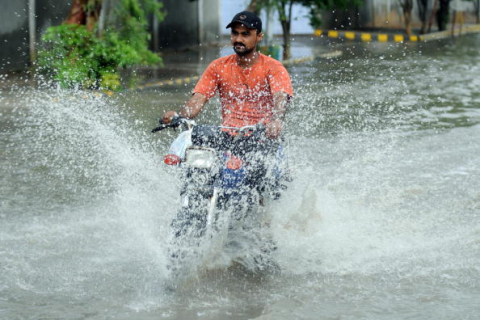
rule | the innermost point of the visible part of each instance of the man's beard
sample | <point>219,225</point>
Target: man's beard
<point>242,53</point>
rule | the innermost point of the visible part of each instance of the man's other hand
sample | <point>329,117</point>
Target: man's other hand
<point>274,129</point>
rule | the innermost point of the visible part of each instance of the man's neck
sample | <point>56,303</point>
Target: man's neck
<point>248,60</point>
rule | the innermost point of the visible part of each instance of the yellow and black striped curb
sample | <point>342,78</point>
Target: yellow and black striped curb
<point>367,36</point>
<point>170,82</point>
<point>399,38</point>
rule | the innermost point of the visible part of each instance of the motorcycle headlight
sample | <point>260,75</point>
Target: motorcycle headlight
<point>199,158</point>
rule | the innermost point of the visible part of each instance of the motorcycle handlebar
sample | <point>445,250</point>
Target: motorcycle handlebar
<point>175,123</point>
<point>178,121</point>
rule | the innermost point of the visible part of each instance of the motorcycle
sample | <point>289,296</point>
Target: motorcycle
<point>228,175</point>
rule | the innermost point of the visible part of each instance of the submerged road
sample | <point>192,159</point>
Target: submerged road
<point>380,222</point>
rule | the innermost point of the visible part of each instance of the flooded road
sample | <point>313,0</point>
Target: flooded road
<point>380,222</point>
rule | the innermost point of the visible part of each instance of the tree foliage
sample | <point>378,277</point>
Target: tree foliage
<point>317,7</point>
<point>76,54</point>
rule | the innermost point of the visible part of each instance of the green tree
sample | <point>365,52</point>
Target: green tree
<point>284,8</point>
<point>81,53</point>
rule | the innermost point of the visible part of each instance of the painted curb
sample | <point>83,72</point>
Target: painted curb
<point>367,36</point>
<point>398,38</point>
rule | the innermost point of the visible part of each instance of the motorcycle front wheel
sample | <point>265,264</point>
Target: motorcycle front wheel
<point>195,230</point>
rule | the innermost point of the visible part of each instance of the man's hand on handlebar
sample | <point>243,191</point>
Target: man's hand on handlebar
<point>274,129</point>
<point>190,110</point>
<point>168,116</point>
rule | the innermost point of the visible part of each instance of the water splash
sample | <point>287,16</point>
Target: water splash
<point>92,206</point>
<point>382,209</point>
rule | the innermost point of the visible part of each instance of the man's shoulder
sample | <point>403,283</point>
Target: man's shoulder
<point>271,62</point>
<point>222,61</point>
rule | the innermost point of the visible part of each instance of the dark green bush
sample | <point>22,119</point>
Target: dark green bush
<point>76,56</point>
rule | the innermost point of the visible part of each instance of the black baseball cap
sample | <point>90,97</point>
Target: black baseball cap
<point>247,18</point>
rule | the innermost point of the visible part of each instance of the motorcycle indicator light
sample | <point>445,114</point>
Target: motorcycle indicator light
<point>172,159</point>
<point>234,163</point>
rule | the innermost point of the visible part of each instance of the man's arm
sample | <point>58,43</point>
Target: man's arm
<point>280,105</point>
<point>189,110</point>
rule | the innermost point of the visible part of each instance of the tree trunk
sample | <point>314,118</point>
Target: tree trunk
<point>422,14</point>
<point>407,6</point>
<point>423,28</point>
<point>477,11</point>
<point>442,14</point>
<point>287,52</point>
<point>84,12</point>
<point>93,13</point>
<point>254,7</point>
<point>77,12</point>
<point>433,14</point>
<point>285,21</point>
<point>408,22</point>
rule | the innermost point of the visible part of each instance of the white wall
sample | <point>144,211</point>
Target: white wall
<point>231,7</point>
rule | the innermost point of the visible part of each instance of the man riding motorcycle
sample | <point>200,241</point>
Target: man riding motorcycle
<point>254,91</point>
<point>253,88</point>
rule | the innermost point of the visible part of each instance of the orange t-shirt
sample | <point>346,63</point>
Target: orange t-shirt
<point>246,95</point>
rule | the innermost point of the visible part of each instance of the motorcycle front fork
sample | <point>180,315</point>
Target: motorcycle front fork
<point>212,209</point>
